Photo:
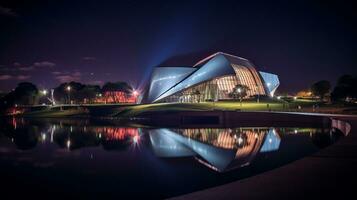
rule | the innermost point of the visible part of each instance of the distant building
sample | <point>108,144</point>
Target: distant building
<point>214,78</point>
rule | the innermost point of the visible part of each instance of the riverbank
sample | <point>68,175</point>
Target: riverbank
<point>273,106</point>
<point>146,110</point>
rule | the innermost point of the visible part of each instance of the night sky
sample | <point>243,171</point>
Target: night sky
<point>49,42</point>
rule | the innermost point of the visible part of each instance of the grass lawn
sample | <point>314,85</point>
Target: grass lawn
<point>204,106</point>
<point>120,110</point>
<point>298,105</point>
<point>55,113</point>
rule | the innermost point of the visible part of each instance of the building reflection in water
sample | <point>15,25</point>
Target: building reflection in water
<point>219,149</point>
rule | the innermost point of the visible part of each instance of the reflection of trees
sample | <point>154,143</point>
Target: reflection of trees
<point>116,144</point>
<point>111,138</point>
<point>117,138</point>
<point>25,137</point>
<point>72,134</point>
<point>77,138</point>
<point>321,139</point>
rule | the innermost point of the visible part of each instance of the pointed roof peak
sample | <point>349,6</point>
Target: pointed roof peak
<point>216,54</point>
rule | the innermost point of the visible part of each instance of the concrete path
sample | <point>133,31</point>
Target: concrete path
<point>329,174</point>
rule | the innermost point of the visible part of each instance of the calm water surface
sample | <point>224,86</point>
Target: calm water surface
<point>91,158</point>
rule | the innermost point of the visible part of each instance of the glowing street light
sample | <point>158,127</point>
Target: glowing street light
<point>68,144</point>
<point>44,92</point>
<point>135,93</point>
<point>239,90</point>
<point>69,93</point>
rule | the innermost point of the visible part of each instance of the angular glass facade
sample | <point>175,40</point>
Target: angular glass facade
<point>163,78</point>
<point>271,81</point>
<point>211,79</point>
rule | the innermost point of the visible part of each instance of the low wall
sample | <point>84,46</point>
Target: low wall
<point>233,119</point>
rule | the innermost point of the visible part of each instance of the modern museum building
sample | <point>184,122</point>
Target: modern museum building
<point>211,79</point>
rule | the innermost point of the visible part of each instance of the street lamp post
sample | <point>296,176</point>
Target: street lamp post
<point>44,93</point>
<point>135,94</point>
<point>240,96</point>
<point>69,93</point>
<point>258,99</point>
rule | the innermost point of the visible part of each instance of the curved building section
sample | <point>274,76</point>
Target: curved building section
<point>211,79</point>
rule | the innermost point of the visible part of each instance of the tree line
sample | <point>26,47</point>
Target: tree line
<point>27,93</point>
<point>345,89</point>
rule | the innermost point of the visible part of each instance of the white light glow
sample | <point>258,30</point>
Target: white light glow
<point>135,93</point>
<point>240,140</point>
<point>68,144</point>
<point>136,139</point>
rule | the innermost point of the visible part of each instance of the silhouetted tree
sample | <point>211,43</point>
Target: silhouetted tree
<point>117,86</point>
<point>346,87</point>
<point>61,94</point>
<point>24,94</point>
<point>321,88</point>
<point>88,92</point>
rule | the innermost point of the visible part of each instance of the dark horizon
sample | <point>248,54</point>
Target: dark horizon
<point>94,42</point>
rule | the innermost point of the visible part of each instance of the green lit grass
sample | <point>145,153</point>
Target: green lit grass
<point>120,110</point>
<point>204,106</point>
<point>55,113</point>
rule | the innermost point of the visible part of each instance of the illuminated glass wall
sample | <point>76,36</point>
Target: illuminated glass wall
<point>249,77</point>
<point>216,89</point>
<point>212,79</point>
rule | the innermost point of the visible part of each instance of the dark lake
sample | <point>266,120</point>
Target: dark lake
<point>93,158</point>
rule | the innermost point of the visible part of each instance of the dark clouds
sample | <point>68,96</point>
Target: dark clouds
<point>8,12</point>
<point>66,76</point>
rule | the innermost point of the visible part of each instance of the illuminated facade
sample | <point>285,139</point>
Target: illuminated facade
<point>211,79</point>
